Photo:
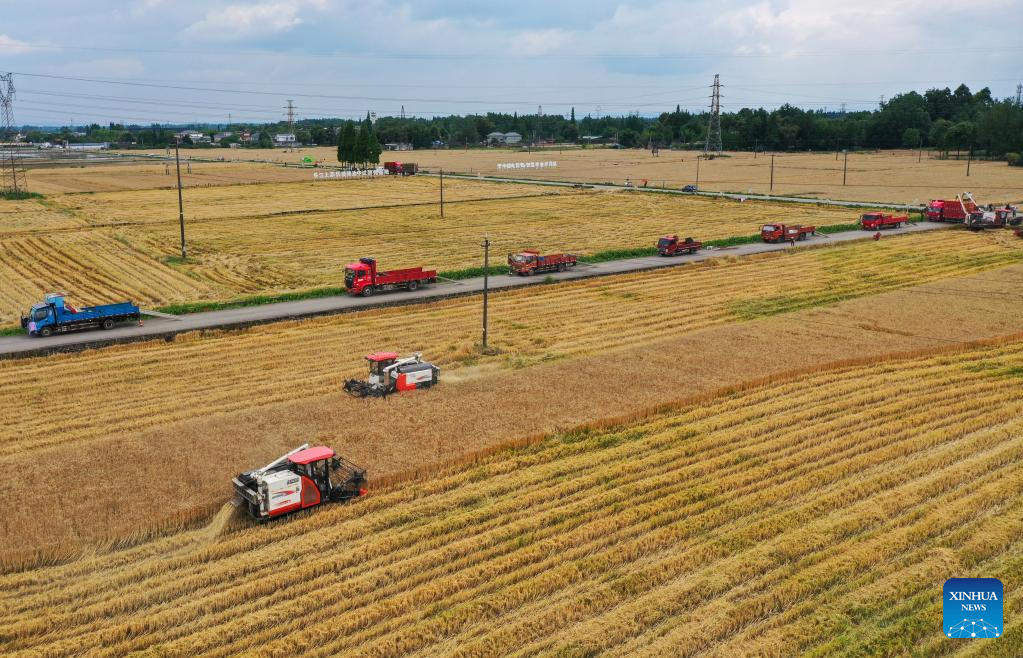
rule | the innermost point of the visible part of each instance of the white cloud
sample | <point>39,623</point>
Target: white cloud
<point>240,21</point>
<point>11,46</point>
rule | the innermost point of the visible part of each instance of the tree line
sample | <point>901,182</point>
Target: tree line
<point>947,120</point>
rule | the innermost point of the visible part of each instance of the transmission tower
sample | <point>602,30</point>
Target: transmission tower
<point>291,116</point>
<point>12,179</point>
<point>713,142</point>
<point>1019,95</point>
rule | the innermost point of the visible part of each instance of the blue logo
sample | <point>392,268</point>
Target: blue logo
<point>973,607</point>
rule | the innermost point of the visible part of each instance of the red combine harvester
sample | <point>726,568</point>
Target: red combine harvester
<point>305,477</point>
<point>362,278</point>
<point>401,168</point>
<point>785,233</point>
<point>873,221</point>
<point>670,245</point>
<point>388,373</point>
<point>530,262</point>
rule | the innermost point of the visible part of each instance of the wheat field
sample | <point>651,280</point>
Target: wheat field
<point>198,374</point>
<point>815,514</point>
<point>568,354</point>
<point>897,177</point>
<point>285,237</point>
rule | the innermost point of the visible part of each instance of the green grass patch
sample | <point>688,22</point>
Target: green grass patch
<point>473,272</point>
<point>11,331</point>
<point>254,300</point>
<point>763,307</point>
<point>20,195</point>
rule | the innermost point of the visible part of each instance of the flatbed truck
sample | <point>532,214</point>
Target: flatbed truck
<point>54,315</point>
<point>364,279</point>
<point>529,261</point>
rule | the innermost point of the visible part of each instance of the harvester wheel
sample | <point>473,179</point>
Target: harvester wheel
<point>108,323</point>
<point>413,285</point>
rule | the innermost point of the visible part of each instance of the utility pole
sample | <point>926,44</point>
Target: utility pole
<point>920,148</point>
<point>969,159</point>
<point>845,165</point>
<point>698,157</point>
<point>772,174</point>
<point>181,203</point>
<point>756,147</point>
<point>486,289</point>
<point>442,193</point>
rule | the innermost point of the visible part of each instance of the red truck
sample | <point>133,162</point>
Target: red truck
<point>670,245</point>
<point>785,233</point>
<point>401,168</point>
<point>872,221</point>
<point>531,262</point>
<point>362,278</point>
<point>952,210</point>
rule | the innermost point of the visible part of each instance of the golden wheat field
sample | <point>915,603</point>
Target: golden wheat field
<point>294,236</point>
<point>815,514</point>
<point>140,175</point>
<point>897,177</point>
<point>569,353</point>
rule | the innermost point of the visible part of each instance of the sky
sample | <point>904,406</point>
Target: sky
<point>182,61</point>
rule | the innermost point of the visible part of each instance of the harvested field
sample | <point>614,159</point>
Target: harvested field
<point>254,392</point>
<point>117,176</point>
<point>294,236</point>
<point>888,176</point>
<point>813,514</point>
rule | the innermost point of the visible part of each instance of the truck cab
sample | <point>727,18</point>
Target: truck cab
<point>360,275</point>
<point>934,211</point>
<point>523,259</point>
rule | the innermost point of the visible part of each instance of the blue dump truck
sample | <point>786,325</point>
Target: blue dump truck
<point>53,315</point>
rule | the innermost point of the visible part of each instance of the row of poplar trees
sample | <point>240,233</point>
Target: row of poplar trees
<point>358,147</point>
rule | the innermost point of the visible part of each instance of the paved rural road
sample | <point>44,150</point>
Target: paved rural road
<point>19,346</point>
<point>659,190</point>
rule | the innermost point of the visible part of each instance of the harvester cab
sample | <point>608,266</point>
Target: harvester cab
<point>388,373</point>
<point>303,478</point>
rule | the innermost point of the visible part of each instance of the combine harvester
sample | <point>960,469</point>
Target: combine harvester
<point>529,262</point>
<point>362,278</point>
<point>303,478</point>
<point>960,210</point>
<point>389,374</point>
<point>54,315</point>
<point>873,221</point>
<point>670,245</point>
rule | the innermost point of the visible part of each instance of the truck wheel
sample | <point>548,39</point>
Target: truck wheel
<point>413,285</point>
<point>367,291</point>
<point>108,323</point>
<point>45,332</point>
<point>562,267</point>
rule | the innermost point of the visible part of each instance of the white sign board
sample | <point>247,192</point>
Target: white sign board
<point>349,173</point>
<point>527,165</point>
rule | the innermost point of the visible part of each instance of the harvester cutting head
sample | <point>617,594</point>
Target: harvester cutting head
<point>388,373</point>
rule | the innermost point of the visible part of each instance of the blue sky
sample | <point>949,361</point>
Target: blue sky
<point>183,61</point>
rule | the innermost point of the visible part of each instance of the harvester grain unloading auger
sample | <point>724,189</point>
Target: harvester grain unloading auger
<point>388,374</point>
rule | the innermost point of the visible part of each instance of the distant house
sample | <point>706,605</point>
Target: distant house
<point>219,136</point>
<point>285,139</point>
<point>88,146</point>
<point>194,136</point>
<point>503,138</point>
<point>397,146</point>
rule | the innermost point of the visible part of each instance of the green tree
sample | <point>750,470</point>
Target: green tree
<point>371,154</point>
<point>346,144</point>
<point>911,138</point>
<point>265,141</point>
